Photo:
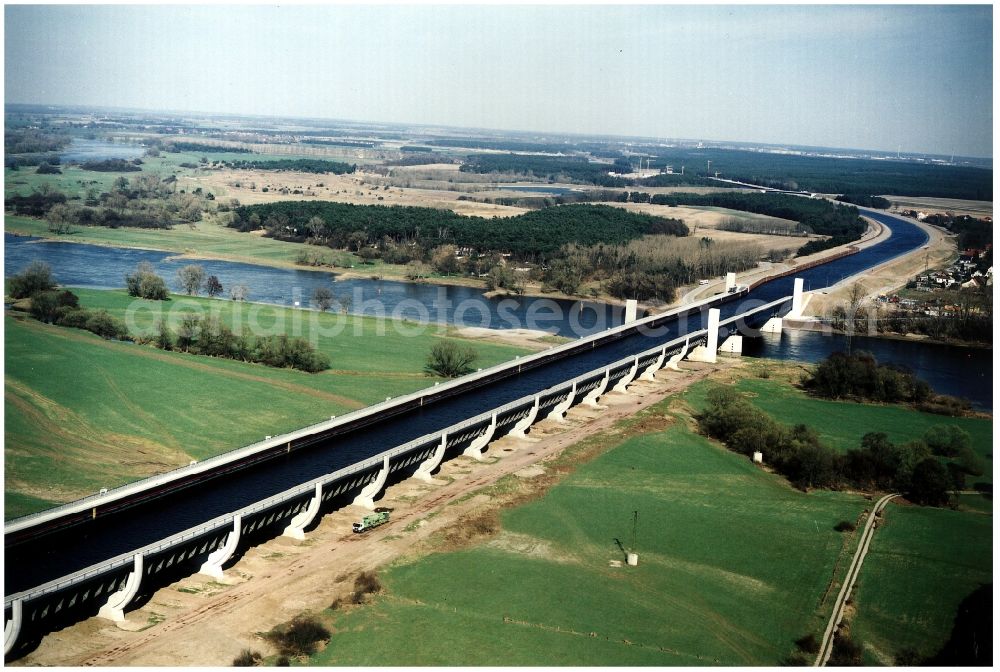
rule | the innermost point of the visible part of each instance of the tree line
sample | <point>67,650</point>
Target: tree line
<point>859,376</point>
<point>841,222</point>
<point>925,470</point>
<point>533,235</point>
<point>194,335</point>
<point>553,168</point>
<point>865,200</point>
<point>298,165</point>
<point>648,269</point>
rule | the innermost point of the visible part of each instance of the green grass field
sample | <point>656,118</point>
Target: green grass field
<point>922,563</point>
<point>83,413</point>
<point>733,565</point>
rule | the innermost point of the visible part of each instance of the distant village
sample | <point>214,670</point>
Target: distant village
<point>973,270</point>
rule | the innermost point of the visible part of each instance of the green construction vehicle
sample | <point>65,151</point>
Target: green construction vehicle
<point>380,517</point>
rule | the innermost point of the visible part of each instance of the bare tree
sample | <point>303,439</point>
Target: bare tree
<point>345,301</point>
<point>239,292</point>
<point>212,286</point>
<point>855,300</point>
<point>323,298</point>
<point>191,278</point>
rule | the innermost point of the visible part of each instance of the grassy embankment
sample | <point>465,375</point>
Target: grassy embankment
<point>84,413</point>
<point>733,563</point>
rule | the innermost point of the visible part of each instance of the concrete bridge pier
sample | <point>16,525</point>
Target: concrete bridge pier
<point>649,373</point>
<point>772,326</point>
<point>367,497</point>
<point>595,394</point>
<point>732,346</point>
<point>631,310</point>
<point>673,362</point>
<point>479,444</point>
<point>423,472</point>
<point>707,353</point>
<point>622,385</point>
<point>114,608</point>
<point>12,628</point>
<point>797,303</point>
<point>296,527</point>
<point>213,566</point>
<point>522,425</point>
<point>558,413</point>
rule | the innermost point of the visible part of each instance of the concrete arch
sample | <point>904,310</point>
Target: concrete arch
<point>114,608</point>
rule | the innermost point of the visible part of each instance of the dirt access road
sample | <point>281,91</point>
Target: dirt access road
<point>197,621</point>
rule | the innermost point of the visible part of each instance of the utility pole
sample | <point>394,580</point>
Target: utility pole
<point>635,525</point>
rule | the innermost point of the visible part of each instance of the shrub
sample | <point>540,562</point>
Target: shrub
<point>845,652</point>
<point>146,284</point>
<point>299,637</point>
<point>47,169</point>
<point>37,277</point>
<point>367,583</point>
<point>809,643</point>
<point>845,526</point>
<point>947,440</point>
<point>929,483</point>
<point>45,306</point>
<point>105,325</point>
<point>449,359</point>
<point>247,658</point>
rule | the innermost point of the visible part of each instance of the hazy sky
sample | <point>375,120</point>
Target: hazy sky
<point>878,77</point>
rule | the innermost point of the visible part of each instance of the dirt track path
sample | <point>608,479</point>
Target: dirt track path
<point>826,646</point>
<point>196,621</point>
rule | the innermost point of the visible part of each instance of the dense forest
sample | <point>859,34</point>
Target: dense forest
<point>361,144</point>
<point>536,235</point>
<point>179,146</point>
<point>829,175</point>
<point>865,200</point>
<point>300,165</point>
<point>815,215</point>
<point>113,166</point>
<point>33,141</point>
<point>564,168</point>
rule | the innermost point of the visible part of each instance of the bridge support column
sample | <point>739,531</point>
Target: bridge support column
<point>559,412</point>
<point>673,362</point>
<point>478,445</point>
<point>772,326</point>
<point>796,310</point>
<point>522,425</point>
<point>370,491</point>
<point>730,282</point>
<point>707,352</point>
<point>114,608</point>
<point>12,628</point>
<point>296,528</point>
<point>595,394</point>
<point>423,472</point>
<point>213,566</point>
<point>732,345</point>
<point>622,385</point>
<point>648,374</point>
<point>631,310</point>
